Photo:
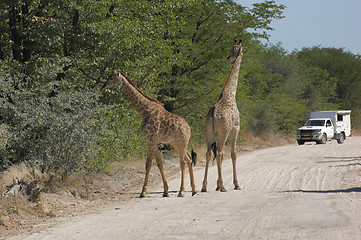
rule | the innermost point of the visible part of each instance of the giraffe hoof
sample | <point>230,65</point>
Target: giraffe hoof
<point>222,189</point>
<point>237,188</point>
<point>204,190</point>
<point>194,193</point>
<point>165,195</point>
<point>180,194</point>
<point>142,195</point>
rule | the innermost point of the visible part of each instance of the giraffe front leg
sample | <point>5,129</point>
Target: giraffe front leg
<point>158,158</point>
<point>148,166</point>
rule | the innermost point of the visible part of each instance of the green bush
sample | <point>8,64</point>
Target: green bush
<point>55,131</point>
<point>122,138</point>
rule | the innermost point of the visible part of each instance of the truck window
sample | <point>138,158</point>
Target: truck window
<point>315,123</point>
<point>339,117</point>
<point>328,123</point>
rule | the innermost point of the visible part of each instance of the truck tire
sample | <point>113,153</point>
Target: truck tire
<point>323,140</point>
<point>300,142</point>
<point>342,139</point>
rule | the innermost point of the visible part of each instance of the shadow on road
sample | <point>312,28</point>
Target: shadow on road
<point>348,190</point>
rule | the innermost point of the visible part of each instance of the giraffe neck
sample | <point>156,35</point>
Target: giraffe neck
<point>140,102</point>
<point>230,87</point>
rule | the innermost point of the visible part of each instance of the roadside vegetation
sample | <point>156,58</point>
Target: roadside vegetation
<point>55,55</point>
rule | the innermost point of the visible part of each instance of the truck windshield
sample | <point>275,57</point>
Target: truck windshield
<point>315,123</point>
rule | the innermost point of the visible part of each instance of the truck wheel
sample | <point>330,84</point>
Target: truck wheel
<point>342,139</point>
<point>300,142</point>
<point>323,140</point>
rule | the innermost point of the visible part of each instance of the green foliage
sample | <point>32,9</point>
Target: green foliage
<point>54,56</point>
<point>343,67</point>
<point>122,138</point>
<point>341,90</point>
<point>260,117</point>
<point>56,133</point>
<point>289,113</point>
<point>282,89</point>
<point>317,87</point>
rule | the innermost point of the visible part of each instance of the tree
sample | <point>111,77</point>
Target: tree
<point>343,82</point>
<point>56,53</point>
<point>201,48</point>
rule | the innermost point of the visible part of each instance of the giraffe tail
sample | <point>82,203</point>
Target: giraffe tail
<point>211,132</point>
<point>193,155</point>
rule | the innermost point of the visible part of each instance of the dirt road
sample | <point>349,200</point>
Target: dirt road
<point>290,192</point>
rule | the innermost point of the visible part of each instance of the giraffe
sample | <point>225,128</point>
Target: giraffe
<point>223,120</point>
<point>158,126</point>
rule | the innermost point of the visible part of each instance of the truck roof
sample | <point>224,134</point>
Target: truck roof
<point>342,112</point>
<point>319,118</point>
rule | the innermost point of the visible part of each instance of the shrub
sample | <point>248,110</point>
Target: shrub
<point>54,130</point>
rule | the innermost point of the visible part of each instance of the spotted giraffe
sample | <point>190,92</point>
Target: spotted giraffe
<point>158,126</point>
<point>223,120</point>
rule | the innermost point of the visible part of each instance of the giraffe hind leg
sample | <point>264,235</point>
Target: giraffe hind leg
<point>211,146</point>
<point>161,169</point>
<point>234,135</point>
<point>182,165</point>
<point>191,175</point>
<point>221,143</point>
<point>208,157</point>
<point>220,186</point>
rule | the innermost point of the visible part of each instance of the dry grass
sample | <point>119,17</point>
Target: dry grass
<point>356,132</point>
<point>19,171</point>
<point>249,141</point>
<point>15,207</point>
<point>63,198</point>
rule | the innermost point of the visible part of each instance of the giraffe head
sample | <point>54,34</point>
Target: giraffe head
<point>116,79</point>
<point>236,51</point>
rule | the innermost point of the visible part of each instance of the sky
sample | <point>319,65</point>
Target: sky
<point>325,23</point>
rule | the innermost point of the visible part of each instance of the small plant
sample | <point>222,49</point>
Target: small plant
<point>13,210</point>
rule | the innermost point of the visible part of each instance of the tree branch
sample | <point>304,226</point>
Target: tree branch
<point>81,70</point>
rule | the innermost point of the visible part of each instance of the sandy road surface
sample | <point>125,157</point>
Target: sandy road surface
<point>290,192</point>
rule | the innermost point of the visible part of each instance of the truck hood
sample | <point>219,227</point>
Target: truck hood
<point>310,127</point>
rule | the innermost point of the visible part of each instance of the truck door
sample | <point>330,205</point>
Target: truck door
<point>329,129</point>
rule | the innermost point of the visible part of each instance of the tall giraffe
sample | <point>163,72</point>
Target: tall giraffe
<point>223,119</point>
<point>159,126</point>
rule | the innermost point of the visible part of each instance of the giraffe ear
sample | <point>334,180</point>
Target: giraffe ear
<point>240,40</point>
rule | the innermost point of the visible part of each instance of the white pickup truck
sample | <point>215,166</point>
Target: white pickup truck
<point>325,125</point>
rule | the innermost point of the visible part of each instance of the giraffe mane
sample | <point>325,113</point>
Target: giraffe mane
<point>143,94</point>
<point>224,88</point>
